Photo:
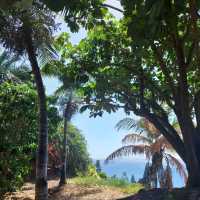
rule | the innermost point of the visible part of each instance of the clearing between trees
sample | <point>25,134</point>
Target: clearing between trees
<point>70,191</point>
<point>75,191</point>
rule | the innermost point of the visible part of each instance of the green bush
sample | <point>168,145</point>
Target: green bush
<point>102,175</point>
<point>18,132</point>
<point>92,172</point>
<point>18,125</point>
<point>77,158</point>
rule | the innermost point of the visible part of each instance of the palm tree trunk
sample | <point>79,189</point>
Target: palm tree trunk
<point>41,187</point>
<point>63,175</point>
<point>67,118</point>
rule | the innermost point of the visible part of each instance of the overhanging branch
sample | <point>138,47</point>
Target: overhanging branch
<point>162,124</point>
<point>169,133</point>
<point>112,7</point>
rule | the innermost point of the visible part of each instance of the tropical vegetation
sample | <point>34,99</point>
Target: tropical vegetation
<point>18,143</point>
<point>158,152</point>
<point>18,139</point>
<point>146,63</point>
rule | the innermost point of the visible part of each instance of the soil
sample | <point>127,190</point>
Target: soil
<point>164,194</point>
<point>77,192</point>
<point>67,192</point>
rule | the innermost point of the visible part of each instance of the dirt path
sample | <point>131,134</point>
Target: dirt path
<point>68,192</point>
<point>77,192</point>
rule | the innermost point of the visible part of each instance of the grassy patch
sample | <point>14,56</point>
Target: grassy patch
<point>124,186</point>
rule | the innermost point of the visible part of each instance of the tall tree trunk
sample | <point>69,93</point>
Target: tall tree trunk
<point>63,175</point>
<point>67,118</point>
<point>192,163</point>
<point>41,187</point>
<point>184,115</point>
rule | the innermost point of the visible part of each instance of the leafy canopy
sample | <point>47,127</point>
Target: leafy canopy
<point>78,12</point>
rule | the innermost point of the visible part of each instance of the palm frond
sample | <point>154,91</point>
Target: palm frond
<point>61,91</point>
<point>160,143</point>
<point>12,69</point>
<point>7,61</point>
<point>46,54</point>
<point>149,128</point>
<point>178,166</point>
<point>68,102</point>
<point>3,57</point>
<point>129,150</point>
<point>134,138</point>
<point>52,69</point>
<point>127,124</point>
<point>22,72</point>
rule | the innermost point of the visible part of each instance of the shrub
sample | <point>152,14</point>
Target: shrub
<point>18,133</point>
<point>92,172</point>
<point>102,175</point>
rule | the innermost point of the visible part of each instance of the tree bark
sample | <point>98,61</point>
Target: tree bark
<point>63,174</point>
<point>170,134</point>
<point>192,161</point>
<point>183,112</point>
<point>41,186</point>
<point>189,152</point>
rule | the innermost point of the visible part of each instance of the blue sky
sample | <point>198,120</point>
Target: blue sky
<point>102,138</point>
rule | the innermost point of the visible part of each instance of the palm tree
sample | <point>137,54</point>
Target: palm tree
<point>148,141</point>
<point>12,69</point>
<point>27,31</point>
<point>6,63</point>
<point>68,100</point>
<point>70,107</point>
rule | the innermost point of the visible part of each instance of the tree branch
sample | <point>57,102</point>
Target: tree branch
<point>197,109</point>
<point>112,7</point>
<point>194,29</point>
<point>193,13</point>
<point>190,54</point>
<point>162,124</point>
<point>164,68</point>
<point>141,82</point>
<point>169,133</point>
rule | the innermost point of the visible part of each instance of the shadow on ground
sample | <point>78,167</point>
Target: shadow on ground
<point>164,194</point>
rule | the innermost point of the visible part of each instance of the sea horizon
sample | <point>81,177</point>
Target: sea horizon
<point>133,167</point>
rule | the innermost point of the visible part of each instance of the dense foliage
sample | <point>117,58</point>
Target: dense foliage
<point>18,127</point>
<point>77,155</point>
<point>79,13</point>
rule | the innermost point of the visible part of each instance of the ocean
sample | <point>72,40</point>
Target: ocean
<point>133,167</point>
